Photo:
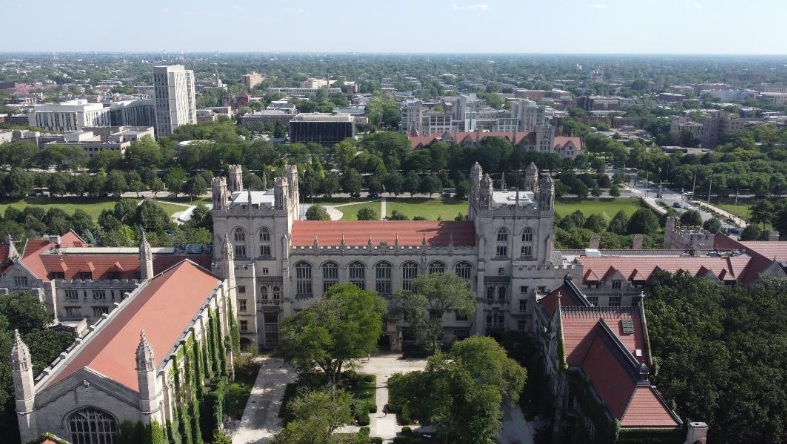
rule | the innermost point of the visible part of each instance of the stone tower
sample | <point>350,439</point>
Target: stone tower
<point>485,193</point>
<point>145,258</point>
<point>24,388</point>
<point>235,178</point>
<point>546,193</point>
<point>228,264</point>
<point>531,178</point>
<point>475,186</point>
<point>220,193</point>
<point>146,377</point>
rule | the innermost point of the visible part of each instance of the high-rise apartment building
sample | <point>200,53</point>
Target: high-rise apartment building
<point>251,79</point>
<point>174,97</point>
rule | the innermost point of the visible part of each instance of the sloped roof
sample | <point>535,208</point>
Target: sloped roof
<point>31,258</point>
<point>568,298</point>
<point>578,323</point>
<point>647,409</point>
<point>4,250</point>
<point>647,265</point>
<point>769,249</point>
<point>357,233</point>
<point>163,307</point>
<point>125,264</point>
<point>611,379</point>
<point>561,142</point>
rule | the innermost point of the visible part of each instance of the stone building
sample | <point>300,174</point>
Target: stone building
<point>284,264</point>
<point>125,368</point>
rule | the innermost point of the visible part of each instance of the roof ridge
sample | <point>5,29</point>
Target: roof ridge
<point>631,364</point>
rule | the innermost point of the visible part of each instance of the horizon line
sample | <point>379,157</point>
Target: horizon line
<point>393,53</point>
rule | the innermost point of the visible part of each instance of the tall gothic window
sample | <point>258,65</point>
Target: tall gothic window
<point>527,242</point>
<point>463,270</point>
<point>436,267</point>
<point>409,272</point>
<point>303,279</point>
<point>239,243</point>
<point>330,275</point>
<point>265,242</point>
<point>92,426</point>
<point>501,249</point>
<point>382,275</point>
<point>358,275</point>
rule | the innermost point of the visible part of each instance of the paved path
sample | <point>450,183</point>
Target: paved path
<point>383,208</point>
<point>261,418</point>
<point>516,429</point>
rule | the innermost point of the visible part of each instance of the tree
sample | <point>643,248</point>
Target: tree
<point>330,184</point>
<point>412,183</point>
<point>367,213</point>
<point>751,232</point>
<point>713,225</point>
<point>116,183</point>
<point>196,186</point>
<point>619,224</point>
<point>18,183</point>
<point>460,392</point>
<point>342,326</point>
<point>151,217</point>
<point>614,191</point>
<point>643,221</point>
<point>352,182</point>
<point>317,212</point>
<point>431,297</point>
<point>762,212</point>
<point>58,184</point>
<point>144,153</point>
<point>691,218</point>
<point>175,180</point>
<point>24,312</point>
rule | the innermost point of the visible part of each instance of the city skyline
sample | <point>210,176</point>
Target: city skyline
<point>437,26</point>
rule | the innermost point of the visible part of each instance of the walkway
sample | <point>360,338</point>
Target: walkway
<point>726,214</point>
<point>261,418</point>
<point>383,208</point>
<point>516,430</point>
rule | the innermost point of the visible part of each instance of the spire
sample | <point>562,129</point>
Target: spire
<point>20,354</point>
<point>229,249</point>
<point>396,242</point>
<point>145,258</point>
<point>344,241</point>
<point>146,360</point>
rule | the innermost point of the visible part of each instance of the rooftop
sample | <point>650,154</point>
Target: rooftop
<point>359,233</point>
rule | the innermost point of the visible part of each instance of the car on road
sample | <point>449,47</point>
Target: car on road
<point>676,205</point>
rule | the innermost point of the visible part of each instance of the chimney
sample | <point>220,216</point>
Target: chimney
<point>636,242</point>
<point>773,236</point>
<point>697,433</point>
<point>595,241</point>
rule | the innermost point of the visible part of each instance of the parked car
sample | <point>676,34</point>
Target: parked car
<point>676,205</point>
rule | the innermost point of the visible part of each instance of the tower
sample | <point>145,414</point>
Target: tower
<point>146,377</point>
<point>546,194</point>
<point>24,388</point>
<point>174,98</point>
<point>531,178</point>
<point>475,186</point>
<point>235,178</point>
<point>228,263</point>
<point>145,258</point>
<point>220,193</point>
<point>485,193</point>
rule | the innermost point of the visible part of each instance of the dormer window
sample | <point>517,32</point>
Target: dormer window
<point>113,275</point>
<point>86,275</point>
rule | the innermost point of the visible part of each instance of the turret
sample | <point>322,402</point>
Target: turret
<point>220,193</point>
<point>475,186</point>
<point>235,174</point>
<point>546,194</point>
<point>485,193</point>
<point>24,387</point>
<point>292,179</point>
<point>145,258</point>
<point>531,178</point>
<point>146,377</point>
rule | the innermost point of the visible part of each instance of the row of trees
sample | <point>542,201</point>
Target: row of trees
<point>575,229</point>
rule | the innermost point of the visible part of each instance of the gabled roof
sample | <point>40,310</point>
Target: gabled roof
<point>645,266</point>
<point>578,324</point>
<point>569,296</point>
<point>770,249</point>
<point>31,258</point>
<point>163,307</point>
<point>358,233</point>
<point>646,408</point>
<point>564,142</point>
<point>125,264</point>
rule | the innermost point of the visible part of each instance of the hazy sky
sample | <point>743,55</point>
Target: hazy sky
<point>502,26</point>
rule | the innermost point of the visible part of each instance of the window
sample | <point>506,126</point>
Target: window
<point>527,251</point>
<point>92,426</point>
<point>521,325</point>
<point>58,275</point>
<point>73,311</point>
<point>98,311</point>
<point>240,251</point>
<point>100,295</point>
<point>617,283</point>
<point>240,235</point>
<point>523,305</point>
<point>527,235</point>
<point>242,305</point>
<point>241,289</point>
<point>276,293</point>
<point>113,275</point>
<point>463,270</point>
<point>265,239</point>
<point>244,326</point>
<point>527,241</point>
<point>265,235</point>
<point>490,294</point>
<point>502,243</point>
<point>382,275</point>
<point>494,319</point>
<point>501,271</point>
<point>72,295</point>
<point>265,271</point>
<point>86,275</point>
<point>614,301</point>
<point>523,289</point>
<point>264,293</point>
<point>409,272</point>
<point>239,244</point>
<point>265,250</point>
<point>358,275</point>
<point>542,289</point>
<point>461,333</point>
<point>303,279</point>
<point>501,294</point>
<point>593,300</point>
<point>436,267</point>
<point>330,275</point>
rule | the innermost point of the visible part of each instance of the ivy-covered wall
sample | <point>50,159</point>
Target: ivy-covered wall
<point>651,436</point>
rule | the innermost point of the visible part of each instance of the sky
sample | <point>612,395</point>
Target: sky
<point>397,26</point>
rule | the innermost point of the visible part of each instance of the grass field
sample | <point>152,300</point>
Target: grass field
<point>93,207</point>
<point>740,210</point>
<point>350,212</point>
<point>431,209</point>
<point>610,207</point>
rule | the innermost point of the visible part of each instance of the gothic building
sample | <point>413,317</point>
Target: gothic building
<point>283,264</point>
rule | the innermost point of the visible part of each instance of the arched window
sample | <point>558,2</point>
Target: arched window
<point>239,243</point>
<point>263,293</point>
<point>303,279</point>
<point>490,294</point>
<point>436,267</point>
<point>265,242</point>
<point>358,275</point>
<point>330,275</point>
<point>382,276</point>
<point>409,272</point>
<point>276,293</point>
<point>501,293</point>
<point>501,249</point>
<point>527,242</point>
<point>463,270</point>
<point>92,426</point>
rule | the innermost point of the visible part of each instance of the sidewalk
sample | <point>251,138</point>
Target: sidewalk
<point>737,220</point>
<point>261,418</point>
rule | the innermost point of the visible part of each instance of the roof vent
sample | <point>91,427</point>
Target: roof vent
<point>627,325</point>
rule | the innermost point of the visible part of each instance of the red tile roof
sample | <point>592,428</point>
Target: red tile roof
<point>4,250</point>
<point>101,264</point>
<point>769,249</point>
<point>357,233</point>
<point>164,307</point>
<point>561,143</point>
<point>611,380</point>
<point>568,298</point>
<point>646,409</point>
<point>579,323</point>
<point>645,266</point>
<point>31,258</point>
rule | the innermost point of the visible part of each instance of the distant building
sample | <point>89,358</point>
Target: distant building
<point>325,129</point>
<point>251,79</point>
<point>265,118</point>
<point>174,98</point>
<point>137,112</point>
<point>303,92</point>
<point>71,115</point>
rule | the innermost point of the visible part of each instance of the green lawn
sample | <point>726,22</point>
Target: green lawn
<point>350,212</point>
<point>741,210</point>
<point>91,206</point>
<point>610,207</point>
<point>431,209</point>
